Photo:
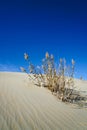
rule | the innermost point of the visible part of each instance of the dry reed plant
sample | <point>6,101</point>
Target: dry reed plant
<point>56,81</point>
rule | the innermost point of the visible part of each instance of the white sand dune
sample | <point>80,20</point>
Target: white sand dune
<point>24,106</point>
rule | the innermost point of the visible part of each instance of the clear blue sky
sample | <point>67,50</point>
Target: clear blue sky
<point>37,26</point>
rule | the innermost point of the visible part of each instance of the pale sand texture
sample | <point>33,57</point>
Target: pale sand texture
<point>24,106</point>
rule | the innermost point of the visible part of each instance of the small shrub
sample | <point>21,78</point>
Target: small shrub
<point>57,82</point>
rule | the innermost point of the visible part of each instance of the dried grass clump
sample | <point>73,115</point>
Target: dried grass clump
<point>55,79</point>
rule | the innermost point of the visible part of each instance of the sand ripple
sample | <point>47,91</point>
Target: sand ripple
<point>24,106</point>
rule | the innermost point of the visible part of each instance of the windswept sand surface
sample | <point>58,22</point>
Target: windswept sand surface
<point>24,106</point>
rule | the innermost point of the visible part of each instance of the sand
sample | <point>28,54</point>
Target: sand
<point>24,106</point>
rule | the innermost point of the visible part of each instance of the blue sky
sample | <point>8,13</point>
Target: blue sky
<point>37,26</point>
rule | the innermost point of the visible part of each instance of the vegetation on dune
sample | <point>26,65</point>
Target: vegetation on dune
<point>60,80</point>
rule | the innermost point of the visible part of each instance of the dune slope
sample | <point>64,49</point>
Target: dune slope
<point>24,106</point>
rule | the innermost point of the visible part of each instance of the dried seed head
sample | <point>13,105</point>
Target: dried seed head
<point>73,62</point>
<point>31,71</point>
<point>49,67</point>
<point>47,55</point>
<point>22,69</point>
<point>26,57</point>
<point>61,60</point>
